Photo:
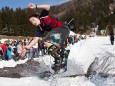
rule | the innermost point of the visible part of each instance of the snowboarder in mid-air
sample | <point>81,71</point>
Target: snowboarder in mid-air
<point>58,33</point>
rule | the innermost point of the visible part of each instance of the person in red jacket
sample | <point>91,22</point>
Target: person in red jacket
<point>4,47</point>
<point>58,32</point>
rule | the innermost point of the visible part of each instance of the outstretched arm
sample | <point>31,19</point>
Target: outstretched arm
<point>33,6</point>
<point>34,41</point>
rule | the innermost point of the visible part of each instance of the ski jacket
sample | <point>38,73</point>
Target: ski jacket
<point>47,23</point>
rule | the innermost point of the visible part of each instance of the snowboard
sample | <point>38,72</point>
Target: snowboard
<point>48,74</point>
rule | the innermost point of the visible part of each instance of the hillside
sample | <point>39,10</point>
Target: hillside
<point>84,12</point>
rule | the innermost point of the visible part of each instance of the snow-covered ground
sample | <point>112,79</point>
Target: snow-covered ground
<point>81,56</point>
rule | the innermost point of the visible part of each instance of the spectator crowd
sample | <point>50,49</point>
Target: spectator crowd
<point>13,48</point>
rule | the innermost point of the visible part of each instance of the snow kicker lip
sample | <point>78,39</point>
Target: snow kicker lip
<point>30,68</point>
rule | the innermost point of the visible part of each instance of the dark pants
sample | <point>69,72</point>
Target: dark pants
<point>58,35</point>
<point>112,41</point>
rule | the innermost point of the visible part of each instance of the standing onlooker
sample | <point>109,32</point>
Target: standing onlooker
<point>19,51</point>
<point>19,47</point>
<point>75,38</point>
<point>1,51</point>
<point>72,40</point>
<point>35,50</point>
<point>112,37</point>
<point>23,47</point>
<point>4,47</point>
<point>13,47</point>
<point>9,52</point>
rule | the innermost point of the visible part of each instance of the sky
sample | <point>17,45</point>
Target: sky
<point>82,54</point>
<point>24,3</point>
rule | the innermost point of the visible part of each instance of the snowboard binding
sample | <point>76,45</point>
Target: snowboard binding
<point>60,58</point>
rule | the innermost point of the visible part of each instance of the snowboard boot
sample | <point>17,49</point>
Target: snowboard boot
<point>60,56</point>
<point>54,51</point>
<point>63,61</point>
<point>64,55</point>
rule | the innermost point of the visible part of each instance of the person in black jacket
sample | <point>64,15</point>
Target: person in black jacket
<point>112,37</point>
